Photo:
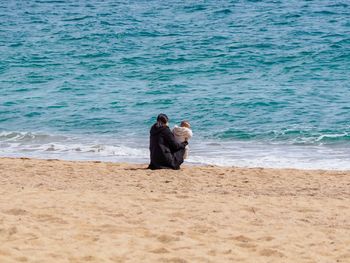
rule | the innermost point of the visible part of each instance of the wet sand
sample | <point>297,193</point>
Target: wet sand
<point>60,211</point>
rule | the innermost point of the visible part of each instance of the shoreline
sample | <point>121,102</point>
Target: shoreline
<point>185,164</point>
<point>70,211</point>
<point>225,153</point>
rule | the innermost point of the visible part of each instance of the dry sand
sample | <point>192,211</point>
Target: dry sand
<point>59,211</point>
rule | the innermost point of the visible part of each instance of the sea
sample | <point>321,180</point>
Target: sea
<point>263,83</point>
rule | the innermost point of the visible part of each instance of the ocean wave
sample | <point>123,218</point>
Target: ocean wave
<point>286,136</point>
<point>333,137</point>
<point>202,151</point>
<point>71,147</point>
<point>29,137</point>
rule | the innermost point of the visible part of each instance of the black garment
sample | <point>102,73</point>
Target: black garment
<point>165,151</point>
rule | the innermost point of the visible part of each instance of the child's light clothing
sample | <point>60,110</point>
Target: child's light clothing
<point>183,134</point>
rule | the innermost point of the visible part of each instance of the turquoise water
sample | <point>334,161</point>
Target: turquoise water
<point>264,83</point>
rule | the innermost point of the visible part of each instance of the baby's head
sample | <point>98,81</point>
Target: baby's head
<point>185,124</point>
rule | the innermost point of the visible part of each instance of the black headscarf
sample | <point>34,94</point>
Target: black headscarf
<point>162,119</point>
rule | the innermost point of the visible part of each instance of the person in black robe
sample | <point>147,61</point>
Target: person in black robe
<point>165,151</point>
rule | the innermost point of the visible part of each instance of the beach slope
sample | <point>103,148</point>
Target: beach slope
<point>61,211</point>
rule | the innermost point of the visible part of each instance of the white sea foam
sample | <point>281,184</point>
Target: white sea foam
<point>257,154</point>
<point>135,150</point>
<point>15,144</point>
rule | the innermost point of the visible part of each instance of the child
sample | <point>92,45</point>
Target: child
<point>183,133</point>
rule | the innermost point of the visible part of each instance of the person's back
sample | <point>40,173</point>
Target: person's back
<point>159,146</point>
<point>165,151</point>
<point>183,133</point>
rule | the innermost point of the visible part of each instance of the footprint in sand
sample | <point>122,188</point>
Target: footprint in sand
<point>270,253</point>
<point>107,228</point>
<point>177,214</point>
<point>115,214</point>
<point>179,233</point>
<point>267,238</point>
<point>12,231</point>
<point>50,219</point>
<point>182,196</point>
<point>244,242</point>
<point>8,232</point>
<point>173,260</point>
<point>83,259</point>
<point>242,238</point>
<point>167,238</point>
<point>89,258</point>
<point>226,252</point>
<point>86,237</point>
<point>247,245</point>
<point>16,212</point>
<point>202,229</point>
<point>161,250</point>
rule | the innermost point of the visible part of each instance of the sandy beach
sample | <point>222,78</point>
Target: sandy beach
<point>62,211</point>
